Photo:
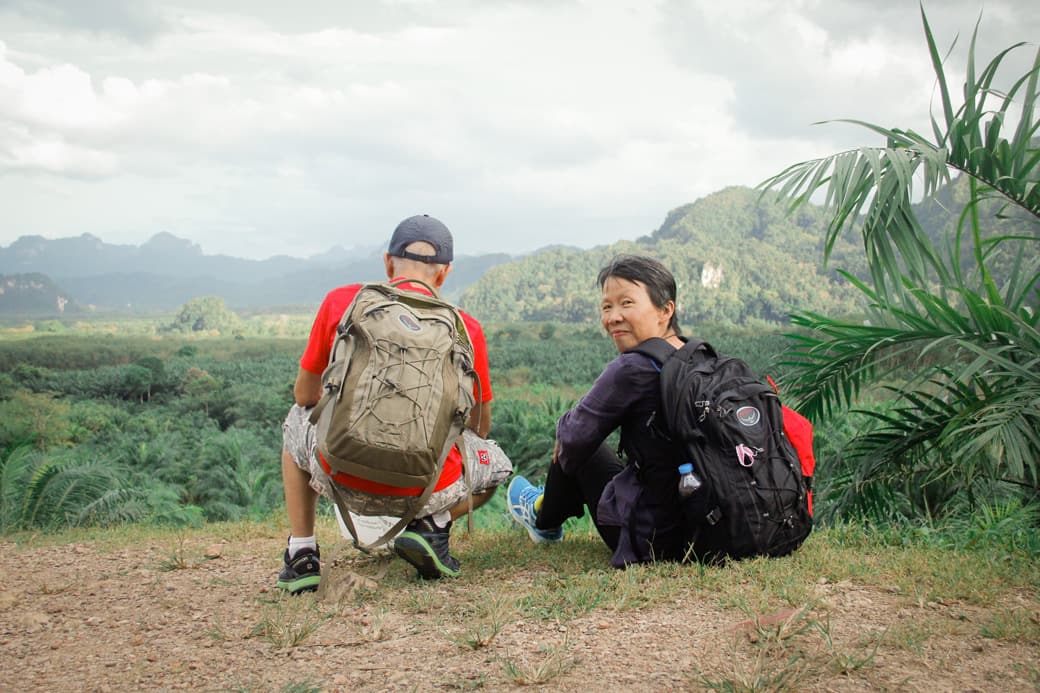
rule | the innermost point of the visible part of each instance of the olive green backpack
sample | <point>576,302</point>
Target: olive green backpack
<point>398,391</point>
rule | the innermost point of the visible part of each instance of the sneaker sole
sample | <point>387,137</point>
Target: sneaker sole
<point>303,584</point>
<point>417,551</point>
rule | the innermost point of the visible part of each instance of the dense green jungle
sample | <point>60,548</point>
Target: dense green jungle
<point>100,428</point>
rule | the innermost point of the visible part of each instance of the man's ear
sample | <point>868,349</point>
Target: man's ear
<point>442,274</point>
<point>388,260</point>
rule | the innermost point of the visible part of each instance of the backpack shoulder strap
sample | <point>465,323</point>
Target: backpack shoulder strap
<point>656,348</point>
<point>693,345</point>
<point>660,350</point>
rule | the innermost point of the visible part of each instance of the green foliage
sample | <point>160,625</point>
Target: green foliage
<point>522,356</point>
<point>175,434</point>
<point>208,314</point>
<point>953,317</point>
<point>41,490</point>
<point>37,419</point>
<point>526,430</point>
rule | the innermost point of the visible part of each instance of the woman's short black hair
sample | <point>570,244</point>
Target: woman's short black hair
<point>659,282</point>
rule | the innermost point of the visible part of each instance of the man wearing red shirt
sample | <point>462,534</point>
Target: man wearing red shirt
<point>421,248</point>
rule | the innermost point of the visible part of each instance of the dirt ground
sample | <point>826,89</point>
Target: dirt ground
<point>88,616</point>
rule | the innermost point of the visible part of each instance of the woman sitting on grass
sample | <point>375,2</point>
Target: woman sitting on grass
<point>635,507</point>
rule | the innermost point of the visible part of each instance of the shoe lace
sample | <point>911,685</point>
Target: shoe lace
<point>527,498</point>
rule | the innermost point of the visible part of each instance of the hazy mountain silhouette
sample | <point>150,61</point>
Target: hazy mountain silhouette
<point>167,271</point>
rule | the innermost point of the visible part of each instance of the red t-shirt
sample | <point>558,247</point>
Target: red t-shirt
<point>316,358</point>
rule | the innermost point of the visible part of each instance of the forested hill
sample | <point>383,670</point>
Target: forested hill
<point>737,258</point>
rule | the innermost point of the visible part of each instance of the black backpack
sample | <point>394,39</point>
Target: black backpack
<point>729,424</point>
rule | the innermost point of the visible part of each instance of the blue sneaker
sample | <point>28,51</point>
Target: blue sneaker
<point>522,496</point>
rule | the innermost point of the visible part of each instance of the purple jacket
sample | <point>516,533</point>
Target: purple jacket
<point>642,499</point>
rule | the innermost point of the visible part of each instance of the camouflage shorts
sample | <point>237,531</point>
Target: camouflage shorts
<point>488,467</point>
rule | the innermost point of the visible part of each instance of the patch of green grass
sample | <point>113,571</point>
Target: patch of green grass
<point>287,621</point>
<point>550,661</point>
<point>773,658</point>
<point>910,637</point>
<point>790,654</point>
<point>305,686</point>
<point>845,661</point>
<point>216,631</point>
<point>1013,625</point>
<point>484,618</point>
<point>371,628</point>
<point>177,558</point>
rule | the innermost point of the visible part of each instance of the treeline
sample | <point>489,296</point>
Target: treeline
<point>175,430</point>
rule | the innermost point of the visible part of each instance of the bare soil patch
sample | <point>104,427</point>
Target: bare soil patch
<point>160,615</point>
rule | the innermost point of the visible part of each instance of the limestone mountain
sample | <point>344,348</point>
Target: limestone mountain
<point>34,294</point>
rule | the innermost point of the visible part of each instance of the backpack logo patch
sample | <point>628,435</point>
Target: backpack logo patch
<point>748,416</point>
<point>483,457</point>
<point>409,322</point>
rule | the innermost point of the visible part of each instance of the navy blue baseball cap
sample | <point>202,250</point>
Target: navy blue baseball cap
<point>423,227</point>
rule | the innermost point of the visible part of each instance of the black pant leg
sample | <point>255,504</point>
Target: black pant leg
<point>568,495</point>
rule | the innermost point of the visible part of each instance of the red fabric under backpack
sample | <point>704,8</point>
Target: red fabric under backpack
<point>799,430</point>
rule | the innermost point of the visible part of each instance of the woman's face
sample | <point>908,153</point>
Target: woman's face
<point>628,314</point>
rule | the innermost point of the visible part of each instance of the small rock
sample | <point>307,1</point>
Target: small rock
<point>214,551</point>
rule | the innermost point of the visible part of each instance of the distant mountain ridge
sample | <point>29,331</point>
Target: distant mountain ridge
<point>167,271</point>
<point>738,258</point>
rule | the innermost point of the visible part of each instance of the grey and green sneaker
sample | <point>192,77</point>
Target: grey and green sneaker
<point>425,545</point>
<point>302,573</point>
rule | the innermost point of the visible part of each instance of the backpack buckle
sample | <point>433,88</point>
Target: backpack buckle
<point>713,517</point>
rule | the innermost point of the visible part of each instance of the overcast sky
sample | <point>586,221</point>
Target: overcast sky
<point>263,127</point>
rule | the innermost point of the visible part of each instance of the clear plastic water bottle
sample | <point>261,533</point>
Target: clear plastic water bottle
<point>688,481</point>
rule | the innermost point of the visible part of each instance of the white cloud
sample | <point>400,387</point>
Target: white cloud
<point>281,131</point>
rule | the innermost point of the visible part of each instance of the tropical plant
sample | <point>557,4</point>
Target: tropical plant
<point>527,432</point>
<point>40,490</point>
<point>961,350</point>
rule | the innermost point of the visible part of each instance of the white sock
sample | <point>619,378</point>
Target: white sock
<point>442,518</point>
<point>297,543</point>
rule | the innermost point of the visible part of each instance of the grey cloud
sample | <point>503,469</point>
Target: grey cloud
<point>778,96</point>
<point>130,19</point>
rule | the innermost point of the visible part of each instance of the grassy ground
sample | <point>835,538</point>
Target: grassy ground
<point>851,610</point>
